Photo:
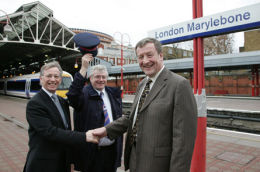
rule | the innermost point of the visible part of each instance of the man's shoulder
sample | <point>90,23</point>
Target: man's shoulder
<point>38,98</point>
<point>173,76</point>
<point>114,91</point>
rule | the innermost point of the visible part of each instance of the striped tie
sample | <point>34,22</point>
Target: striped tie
<point>141,101</point>
<point>107,120</point>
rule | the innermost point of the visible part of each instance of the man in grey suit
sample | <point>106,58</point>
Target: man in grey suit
<point>161,128</point>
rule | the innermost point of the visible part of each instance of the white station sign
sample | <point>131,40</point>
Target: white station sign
<point>226,22</point>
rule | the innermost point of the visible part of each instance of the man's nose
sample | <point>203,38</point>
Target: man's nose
<point>145,59</point>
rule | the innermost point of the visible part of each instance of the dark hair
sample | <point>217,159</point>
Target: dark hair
<point>143,42</point>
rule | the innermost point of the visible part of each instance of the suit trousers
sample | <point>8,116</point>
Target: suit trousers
<point>132,161</point>
<point>104,160</point>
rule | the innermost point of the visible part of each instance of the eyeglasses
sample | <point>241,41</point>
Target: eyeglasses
<point>100,77</point>
<point>50,76</point>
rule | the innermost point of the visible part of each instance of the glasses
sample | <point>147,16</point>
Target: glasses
<point>50,76</point>
<point>100,77</point>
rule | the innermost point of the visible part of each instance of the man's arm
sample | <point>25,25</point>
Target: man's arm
<point>75,94</point>
<point>114,129</point>
<point>39,118</point>
<point>184,128</point>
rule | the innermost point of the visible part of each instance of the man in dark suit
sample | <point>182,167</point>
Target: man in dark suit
<point>95,105</point>
<point>161,128</point>
<point>49,132</point>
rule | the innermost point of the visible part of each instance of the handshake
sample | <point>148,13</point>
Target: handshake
<point>95,135</point>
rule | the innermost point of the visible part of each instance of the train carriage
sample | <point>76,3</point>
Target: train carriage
<point>28,85</point>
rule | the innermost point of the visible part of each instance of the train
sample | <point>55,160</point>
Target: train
<point>27,86</point>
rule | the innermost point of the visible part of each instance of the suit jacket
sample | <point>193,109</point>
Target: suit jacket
<point>166,127</point>
<point>89,114</point>
<point>49,141</point>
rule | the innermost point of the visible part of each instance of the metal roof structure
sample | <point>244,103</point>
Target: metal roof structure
<point>36,36</point>
<point>243,60</point>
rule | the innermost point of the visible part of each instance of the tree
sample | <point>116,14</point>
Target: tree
<point>222,44</point>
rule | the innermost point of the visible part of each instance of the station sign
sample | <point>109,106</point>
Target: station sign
<point>240,19</point>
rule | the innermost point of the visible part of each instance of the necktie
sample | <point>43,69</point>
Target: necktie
<point>141,101</point>
<point>57,103</point>
<point>107,120</point>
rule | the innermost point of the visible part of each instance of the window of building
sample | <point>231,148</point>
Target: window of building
<point>169,51</point>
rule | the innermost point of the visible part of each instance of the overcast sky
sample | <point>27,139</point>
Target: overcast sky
<point>134,17</point>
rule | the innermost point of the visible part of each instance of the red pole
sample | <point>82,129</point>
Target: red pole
<point>195,52</point>
<point>257,81</point>
<point>198,163</point>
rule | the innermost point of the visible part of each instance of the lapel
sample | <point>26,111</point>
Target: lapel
<point>138,94</point>
<point>158,85</point>
<point>54,109</point>
<point>66,113</point>
<point>46,98</point>
<point>112,98</point>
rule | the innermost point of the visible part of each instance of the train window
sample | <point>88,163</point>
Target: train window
<point>2,85</point>
<point>65,84</point>
<point>18,85</point>
<point>35,85</point>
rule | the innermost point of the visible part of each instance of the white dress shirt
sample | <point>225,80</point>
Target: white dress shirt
<point>105,141</point>
<point>151,85</point>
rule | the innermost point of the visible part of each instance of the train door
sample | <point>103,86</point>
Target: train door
<point>27,88</point>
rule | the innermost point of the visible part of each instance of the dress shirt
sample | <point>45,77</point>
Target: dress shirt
<point>151,85</point>
<point>107,104</point>
<point>49,93</point>
<point>105,141</point>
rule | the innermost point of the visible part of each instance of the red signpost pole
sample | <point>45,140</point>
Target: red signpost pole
<point>195,53</point>
<point>198,163</point>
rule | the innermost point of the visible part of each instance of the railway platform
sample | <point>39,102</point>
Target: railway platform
<point>227,151</point>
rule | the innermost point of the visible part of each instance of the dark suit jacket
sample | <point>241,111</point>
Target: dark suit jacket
<point>166,128</point>
<point>49,141</point>
<point>89,114</point>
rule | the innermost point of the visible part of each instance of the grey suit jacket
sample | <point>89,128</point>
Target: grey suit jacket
<point>167,126</point>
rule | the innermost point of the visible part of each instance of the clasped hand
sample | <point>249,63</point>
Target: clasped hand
<point>95,135</point>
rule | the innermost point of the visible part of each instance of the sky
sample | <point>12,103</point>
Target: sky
<point>132,18</point>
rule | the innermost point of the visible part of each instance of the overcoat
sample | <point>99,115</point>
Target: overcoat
<point>89,114</point>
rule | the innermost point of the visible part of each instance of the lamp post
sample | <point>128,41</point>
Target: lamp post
<point>122,57</point>
<point>7,27</point>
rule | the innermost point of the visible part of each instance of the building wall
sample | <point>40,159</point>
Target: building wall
<point>252,40</point>
<point>215,85</point>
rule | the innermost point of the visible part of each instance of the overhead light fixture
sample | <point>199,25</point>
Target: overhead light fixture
<point>7,27</point>
<point>76,64</point>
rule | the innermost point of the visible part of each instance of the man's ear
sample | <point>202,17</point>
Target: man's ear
<point>161,55</point>
<point>40,80</point>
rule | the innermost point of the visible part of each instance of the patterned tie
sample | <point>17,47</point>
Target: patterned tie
<point>57,103</point>
<point>107,120</point>
<point>141,101</point>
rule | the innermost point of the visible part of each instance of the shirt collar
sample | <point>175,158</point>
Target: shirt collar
<point>49,93</point>
<point>156,75</point>
<point>100,91</point>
